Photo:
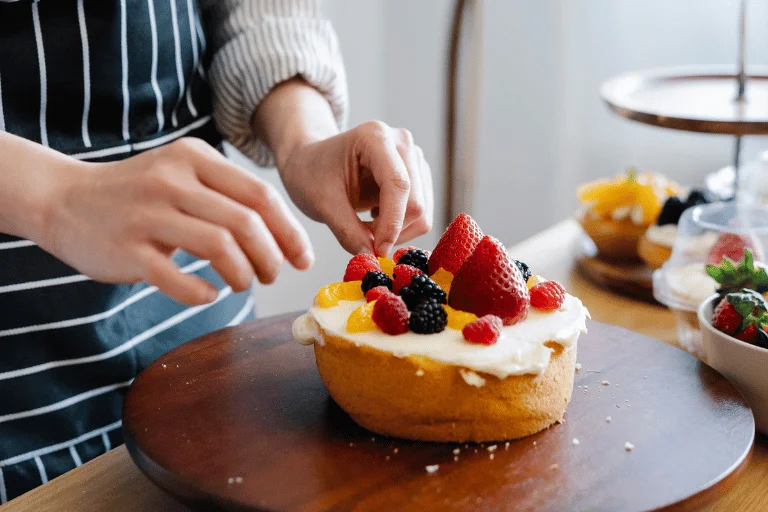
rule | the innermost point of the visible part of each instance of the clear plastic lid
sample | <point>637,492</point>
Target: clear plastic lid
<point>683,283</point>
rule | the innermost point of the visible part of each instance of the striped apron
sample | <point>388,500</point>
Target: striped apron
<point>98,80</point>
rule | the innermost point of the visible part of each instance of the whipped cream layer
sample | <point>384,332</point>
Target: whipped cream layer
<point>662,235</point>
<point>519,350</point>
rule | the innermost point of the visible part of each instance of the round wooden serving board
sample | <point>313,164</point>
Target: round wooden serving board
<point>239,420</point>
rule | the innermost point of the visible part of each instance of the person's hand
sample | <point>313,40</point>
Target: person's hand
<point>120,222</point>
<point>371,167</point>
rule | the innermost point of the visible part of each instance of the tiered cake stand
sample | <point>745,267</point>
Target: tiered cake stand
<point>706,99</point>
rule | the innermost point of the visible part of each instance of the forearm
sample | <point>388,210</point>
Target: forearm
<point>30,174</point>
<point>291,115</point>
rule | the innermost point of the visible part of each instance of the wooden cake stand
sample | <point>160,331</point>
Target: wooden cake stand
<point>239,420</point>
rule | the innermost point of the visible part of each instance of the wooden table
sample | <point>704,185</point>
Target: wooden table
<point>112,482</point>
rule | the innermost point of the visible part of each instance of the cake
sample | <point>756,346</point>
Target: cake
<point>655,246</point>
<point>462,344</point>
<point>616,213</point>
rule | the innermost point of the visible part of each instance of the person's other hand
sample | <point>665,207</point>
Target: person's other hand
<point>370,167</point>
<point>120,222</point>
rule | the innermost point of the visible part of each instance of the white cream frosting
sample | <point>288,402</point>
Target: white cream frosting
<point>662,235</point>
<point>519,350</point>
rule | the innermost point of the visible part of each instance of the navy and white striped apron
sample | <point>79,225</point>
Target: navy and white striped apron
<point>98,80</point>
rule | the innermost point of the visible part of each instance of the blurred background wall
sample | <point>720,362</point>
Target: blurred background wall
<point>542,126</point>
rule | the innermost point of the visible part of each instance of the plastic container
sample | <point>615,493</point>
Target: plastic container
<point>682,284</point>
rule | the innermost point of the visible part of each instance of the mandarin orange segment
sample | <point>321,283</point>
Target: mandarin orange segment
<point>443,279</point>
<point>329,296</point>
<point>361,319</point>
<point>458,319</point>
<point>387,265</point>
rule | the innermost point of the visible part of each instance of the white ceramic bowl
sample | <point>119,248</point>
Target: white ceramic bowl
<point>745,365</point>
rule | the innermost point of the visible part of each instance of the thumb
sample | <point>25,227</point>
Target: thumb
<point>353,234</point>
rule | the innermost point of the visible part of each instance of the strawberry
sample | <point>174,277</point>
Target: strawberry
<point>456,244</point>
<point>547,295</point>
<point>749,334</point>
<point>376,293</point>
<point>732,246</point>
<point>360,265</point>
<point>726,318</point>
<point>402,276</point>
<point>484,331</point>
<point>391,315</point>
<point>403,250</point>
<point>489,282</point>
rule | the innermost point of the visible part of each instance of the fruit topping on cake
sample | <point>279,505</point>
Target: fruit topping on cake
<point>484,331</point>
<point>375,278</point>
<point>489,282</point>
<point>391,315</point>
<point>547,296</point>
<point>428,317</point>
<point>456,245</point>
<point>489,290</point>
<point>733,278</point>
<point>402,275</point>
<point>675,206</point>
<point>360,265</point>
<point>421,289</point>
<point>632,196</point>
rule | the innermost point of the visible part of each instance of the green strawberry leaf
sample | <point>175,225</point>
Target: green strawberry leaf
<point>748,303</point>
<point>715,273</point>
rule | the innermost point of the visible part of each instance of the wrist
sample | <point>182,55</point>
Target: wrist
<point>51,200</point>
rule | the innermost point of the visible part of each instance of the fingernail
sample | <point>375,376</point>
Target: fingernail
<point>306,260</point>
<point>384,249</point>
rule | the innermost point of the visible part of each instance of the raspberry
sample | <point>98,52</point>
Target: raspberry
<point>524,269</point>
<point>547,296</point>
<point>428,317</point>
<point>376,293</point>
<point>391,315</point>
<point>421,288</point>
<point>415,258</point>
<point>375,278</point>
<point>484,331</point>
<point>403,250</point>
<point>725,317</point>
<point>360,265</point>
<point>402,276</point>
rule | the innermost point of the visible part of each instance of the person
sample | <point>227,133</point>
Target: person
<point>126,231</point>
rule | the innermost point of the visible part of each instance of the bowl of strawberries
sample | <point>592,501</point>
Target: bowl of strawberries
<point>733,324</point>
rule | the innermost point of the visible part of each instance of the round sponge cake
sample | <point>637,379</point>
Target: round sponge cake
<point>417,397</point>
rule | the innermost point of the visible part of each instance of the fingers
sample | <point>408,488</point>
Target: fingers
<point>379,154</point>
<point>419,212</point>
<point>207,241</point>
<point>354,235</point>
<point>232,181</point>
<point>247,227</point>
<point>160,271</point>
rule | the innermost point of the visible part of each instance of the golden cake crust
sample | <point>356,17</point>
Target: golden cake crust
<point>615,239</point>
<point>415,397</point>
<point>655,255</point>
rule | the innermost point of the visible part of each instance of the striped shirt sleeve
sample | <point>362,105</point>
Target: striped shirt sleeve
<point>256,44</point>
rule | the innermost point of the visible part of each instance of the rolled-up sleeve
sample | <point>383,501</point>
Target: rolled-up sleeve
<point>256,44</point>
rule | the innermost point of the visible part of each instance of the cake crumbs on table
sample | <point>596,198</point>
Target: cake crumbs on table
<point>608,419</point>
<point>164,366</point>
<point>534,443</point>
<point>351,445</point>
<point>373,439</point>
<point>455,459</point>
<point>575,441</point>
<point>431,469</point>
<point>235,480</point>
<point>490,456</point>
<point>578,366</point>
<point>386,458</point>
<point>475,450</point>
<point>396,450</point>
<point>456,451</point>
<point>554,467</point>
<point>492,448</point>
<point>605,383</point>
<point>628,446</point>
<point>506,445</point>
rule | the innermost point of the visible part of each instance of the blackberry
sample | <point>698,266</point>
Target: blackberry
<point>671,211</point>
<point>415,258</point>
<point>428,318</point>
<point>422,288</point>
<point>373,279</point>
<point>697,197</point>
<point>524,269</point>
